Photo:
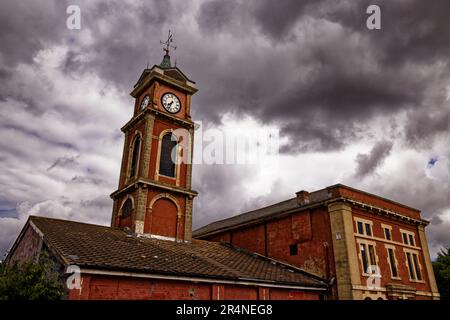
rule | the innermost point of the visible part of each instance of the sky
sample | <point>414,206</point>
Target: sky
<point>366,108</point>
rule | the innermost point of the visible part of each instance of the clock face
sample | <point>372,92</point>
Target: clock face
<point>171,103</point>
<point>145,102</point>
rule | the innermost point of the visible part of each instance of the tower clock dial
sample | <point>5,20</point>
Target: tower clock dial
<point>171,102</point>
<point>145,102</point>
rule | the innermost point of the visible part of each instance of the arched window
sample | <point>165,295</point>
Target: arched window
<point>168,152</point>
<point>135,157</point>
<point>127,208</point>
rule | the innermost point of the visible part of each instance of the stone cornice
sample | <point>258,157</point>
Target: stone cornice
<point>157,74</point>
<point>154,111</point>
<point>147,182</point>
<point>380,211</point>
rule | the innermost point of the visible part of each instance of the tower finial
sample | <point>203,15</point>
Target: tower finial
<point>167,46</point>
<point>167,43</point>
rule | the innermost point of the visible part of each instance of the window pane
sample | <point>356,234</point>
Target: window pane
<point>411,239</point>
<point>405,239</point>
<point>373,261</point>
<point>134,159</point>
<point>410,266</point>
<point>166,165</point>
<point>387,233</point>
<point>392,263</point>
<point>368,230</point>
<point>416,266</point>
<point>360,228</point>
<point>364,257</point>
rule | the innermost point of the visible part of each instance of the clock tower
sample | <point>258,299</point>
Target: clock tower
<point>154,196</point>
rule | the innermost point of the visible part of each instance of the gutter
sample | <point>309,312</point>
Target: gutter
<point>240,281</point>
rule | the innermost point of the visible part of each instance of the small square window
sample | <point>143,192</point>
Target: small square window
<point>405,238</point>
<point>293,250</point>
<point>387,233</point>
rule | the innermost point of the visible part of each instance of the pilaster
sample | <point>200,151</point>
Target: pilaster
<point>149,123</point>
<point>141,204</point>
<point>344,249</point>
<point>427,261</point>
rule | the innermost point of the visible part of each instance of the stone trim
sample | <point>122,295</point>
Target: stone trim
<point>344,249</point>
<point>393,248</point>
<point>427,261</point>
<point>139,212</point>
<point>401,244</point>
<point>413,252</point>
<point>149,123</point>
<point>188,220</point>
<point>158,184</point>
<point>136,134</point>
<point>123,169</point>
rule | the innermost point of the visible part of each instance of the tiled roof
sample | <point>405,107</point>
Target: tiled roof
<point>104,248</point>
<point>247,217</point>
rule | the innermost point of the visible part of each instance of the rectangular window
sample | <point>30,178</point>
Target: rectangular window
<point>368,230</point>
<point>360,227</point>
<point>405,238</point>
<point>373,260</point>
<point>364,257</point>
<point>411,239</point>
<point>293,250</point>
<point>392,263</point>
<point>417,267</point>
<point>410,266</point>
<point>387,234</point>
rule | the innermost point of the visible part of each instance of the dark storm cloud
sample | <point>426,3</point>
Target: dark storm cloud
<point>29,26</point>
<point>216,15</point>
<point>425,124</point>
<point>352,75</point>
<point>310,67</point>
<point>277,18</point>
<point>367,163</point>
<point>412,31</point>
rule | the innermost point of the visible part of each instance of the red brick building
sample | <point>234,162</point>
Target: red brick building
<point>316,245</point>
<point>339,233</point>
<point>148,252</point>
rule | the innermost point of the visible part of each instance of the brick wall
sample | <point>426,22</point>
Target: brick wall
<point>97,287</point>
<point>28,249</point>
<point>308,230</point>
<point>378,239</point>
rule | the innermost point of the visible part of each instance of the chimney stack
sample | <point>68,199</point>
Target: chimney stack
<point>302,197</point>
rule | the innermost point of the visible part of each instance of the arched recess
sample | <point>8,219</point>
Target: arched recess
<point>125,212</point>
<point>163,216</point>
<point>163,156</point>
<point>134,155</point>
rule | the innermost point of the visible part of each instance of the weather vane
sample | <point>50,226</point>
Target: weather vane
<point>168,42</point>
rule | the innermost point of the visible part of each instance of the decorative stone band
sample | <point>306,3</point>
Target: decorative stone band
<point>380,211</point>
<point>147,182</point>
<point>141,115</point>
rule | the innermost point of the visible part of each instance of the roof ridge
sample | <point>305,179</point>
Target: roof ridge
<point>244,213</point>
<point>33,217</point>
